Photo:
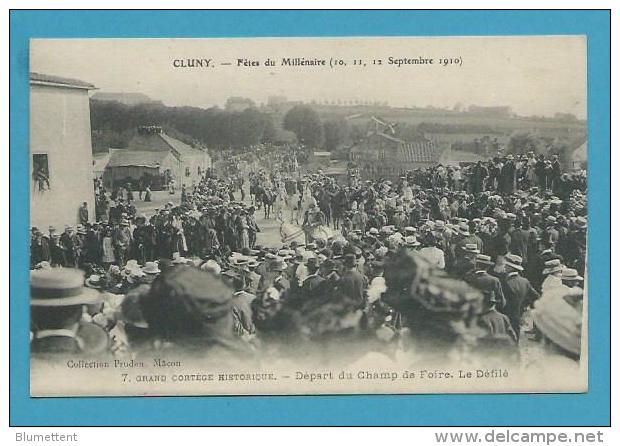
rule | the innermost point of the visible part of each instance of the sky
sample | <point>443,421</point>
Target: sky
<point>533,75</point>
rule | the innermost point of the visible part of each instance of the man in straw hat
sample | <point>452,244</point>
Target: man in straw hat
<point>553,275</point>
<point>57,300</point>
<point>480,278</point>
<point>518,291</point>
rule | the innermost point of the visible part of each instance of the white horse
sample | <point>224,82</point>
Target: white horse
<point>290,232</point>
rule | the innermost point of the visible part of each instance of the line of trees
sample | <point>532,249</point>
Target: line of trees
<point>114,123</point>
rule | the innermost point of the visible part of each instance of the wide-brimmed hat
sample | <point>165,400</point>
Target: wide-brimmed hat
<point>552,266</point>
<point>514,261</point>
<point>373,231</point>
<point>581,223</point>
<point>463,228</point>
<point>60,287</point>
<point>238,260</point>
<point>571,275</point>
<point>410,229</point>
<point>95,281</point>
<point>151,268</point>
<point>411,241</point>
<point>177,258</point>
<point>211,265</point>
<point>253,263</point>
<point>440,225</point>
<point>484,259</point>
<point>560,322</point>
<point>471,248</point>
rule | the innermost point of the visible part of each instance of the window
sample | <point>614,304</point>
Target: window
<point>187,172</point>
<point>40,172</point>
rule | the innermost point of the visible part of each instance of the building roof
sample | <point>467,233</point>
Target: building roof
<point>136,158</point>
<point>100,161</point>
<point>181,148</point>
<point>418,152</point>
<point>389,137</point>
<point>58,81</point>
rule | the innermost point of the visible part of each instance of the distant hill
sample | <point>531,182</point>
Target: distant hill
<point>123,98</point>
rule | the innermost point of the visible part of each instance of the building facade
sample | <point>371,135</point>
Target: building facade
<point>156,159</point>
<point>381,155</point>
<point>61,162</point>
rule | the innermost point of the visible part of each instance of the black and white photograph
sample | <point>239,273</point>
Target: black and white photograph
<point>281,216</point>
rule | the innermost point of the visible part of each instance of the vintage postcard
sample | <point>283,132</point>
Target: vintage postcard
<point>279,216</point>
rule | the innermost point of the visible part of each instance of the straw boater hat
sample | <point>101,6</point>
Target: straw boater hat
<point>571,275</point>
<point>95,281</point>
<point>178,258</point>
<point>484,259</point>
<point>463,228</point>
<point>514,261</point>
<point>581,223</point>
<point>410,229</point>
<point>60,288</point>
<point>471,248</point>
<point>411,241</point>
<point>253,263</point>
<point>373,231</point>
<point>151,268</point>
<point>552,266</point>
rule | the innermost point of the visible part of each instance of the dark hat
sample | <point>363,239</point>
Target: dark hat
<point>313,262</point>
<point>349,259</point>
<point>193,289</point>
<point>60,287</point>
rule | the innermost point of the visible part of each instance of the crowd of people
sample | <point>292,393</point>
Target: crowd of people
<point>431,262</point>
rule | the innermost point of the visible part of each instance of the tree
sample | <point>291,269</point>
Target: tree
<point>237,103</point>
<point>336,132</point>
<point>306,124</point>
<point>520,143</point>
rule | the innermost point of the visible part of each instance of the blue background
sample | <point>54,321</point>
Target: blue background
<point>592,408</point>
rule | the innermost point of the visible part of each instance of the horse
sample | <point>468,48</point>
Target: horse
<point>290,232</point>
<point>268,198</point>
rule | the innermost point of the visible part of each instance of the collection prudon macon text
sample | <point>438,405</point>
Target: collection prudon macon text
<point>316,62</point>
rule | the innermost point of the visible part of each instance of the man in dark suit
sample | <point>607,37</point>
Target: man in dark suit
<point>352,283</point>
<point>521,239</point>
<point>518,291</point>
<point>313,283</point>
<point>496,324</point>
<point>537,263</point>
<point>481,279</point>
<point>281,282</point>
